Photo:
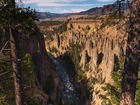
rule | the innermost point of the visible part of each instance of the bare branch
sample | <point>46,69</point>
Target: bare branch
<point>18,25</point>
<point>7,50</point>
<point>4,48</point>
<point>5,61</point>
<point>4,73</point>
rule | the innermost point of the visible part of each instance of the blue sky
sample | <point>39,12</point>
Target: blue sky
<point>64,6</point>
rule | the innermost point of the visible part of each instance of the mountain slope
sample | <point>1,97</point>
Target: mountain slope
<point>44,15</point>
<point>106,9</point>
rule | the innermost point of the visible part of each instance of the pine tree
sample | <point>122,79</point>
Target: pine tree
<point>15,53</point>
<point>11,18</point>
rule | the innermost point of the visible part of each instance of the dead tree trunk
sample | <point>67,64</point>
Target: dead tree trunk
<point>131,65</point>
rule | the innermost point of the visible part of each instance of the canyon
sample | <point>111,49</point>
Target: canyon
<point>89,49</point>
<point>85,58</point>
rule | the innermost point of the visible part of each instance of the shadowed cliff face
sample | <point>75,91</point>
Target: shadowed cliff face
<point>100,46</point>
<point>44,69</point>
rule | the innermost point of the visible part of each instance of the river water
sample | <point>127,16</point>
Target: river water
<point>68,91</point>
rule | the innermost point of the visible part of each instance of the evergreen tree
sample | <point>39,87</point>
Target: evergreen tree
<point>11,18</point>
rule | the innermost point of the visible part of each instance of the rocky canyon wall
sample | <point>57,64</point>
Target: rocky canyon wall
<point>101,44</point>
<point>46,79</point>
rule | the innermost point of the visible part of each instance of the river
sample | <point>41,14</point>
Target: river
<point>68,91</point>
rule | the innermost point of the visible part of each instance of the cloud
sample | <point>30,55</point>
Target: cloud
<point>106,0</point>
<point>50,1</point>
<point>63,6</point>
<point>56,3</point>
<point>72,11</point>
<point>61,10</point>
<point>53,10</point>
<point>66,11</point>
<point>60,5</point>
<point>77,10</point>
<point>64,3</point>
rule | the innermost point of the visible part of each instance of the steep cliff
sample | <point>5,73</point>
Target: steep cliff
<point>46,79</point>
<point>102,41</point>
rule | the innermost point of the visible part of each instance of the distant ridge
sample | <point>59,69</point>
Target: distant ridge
<point>44,15</point>
<point>106,9</point>
<point>91,11</point>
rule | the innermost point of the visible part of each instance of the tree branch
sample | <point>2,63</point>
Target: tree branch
<point>1,74</point>
<point>3,48</point>
<point>5,61</point>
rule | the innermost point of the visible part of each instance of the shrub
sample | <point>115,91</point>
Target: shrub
<point>49,86</point>
<point>87,27</point>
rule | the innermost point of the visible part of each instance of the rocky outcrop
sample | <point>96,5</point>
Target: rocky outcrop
<point>43,68</point>
<point>99,49</point>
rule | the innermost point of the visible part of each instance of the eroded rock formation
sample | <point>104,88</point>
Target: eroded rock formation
<point>99,49</point>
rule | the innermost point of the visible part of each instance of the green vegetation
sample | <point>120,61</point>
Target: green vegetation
<point>13,23</point>
<point>71,26</point>
<point>49,86</point>
<point>79,27</point>
<point>49,23</point>
<point>87,18</point>
<point>102,26</point>
<point>6,83</point>
<point>49,28</point>
<point>28,80</point>
<point>110,20</point>
<point>53,50</point>
<point>74,52</point>
<point>7,95</point>
<point>137,96</point>
<point>112,96</point>
<point>79,75</point>
<point>87,27</point>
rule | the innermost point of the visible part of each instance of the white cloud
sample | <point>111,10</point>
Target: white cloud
<point>77,10</point>
<point>60,5</point>
<point>106,0</point>
<point>72,11</point>
<point>65,11</point>
<point>63,6</point>
<point>60,10</point>
<point>49,1</point>
<point>54,3</point>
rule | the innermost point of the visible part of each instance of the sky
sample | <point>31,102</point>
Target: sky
<point>64,6</point>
